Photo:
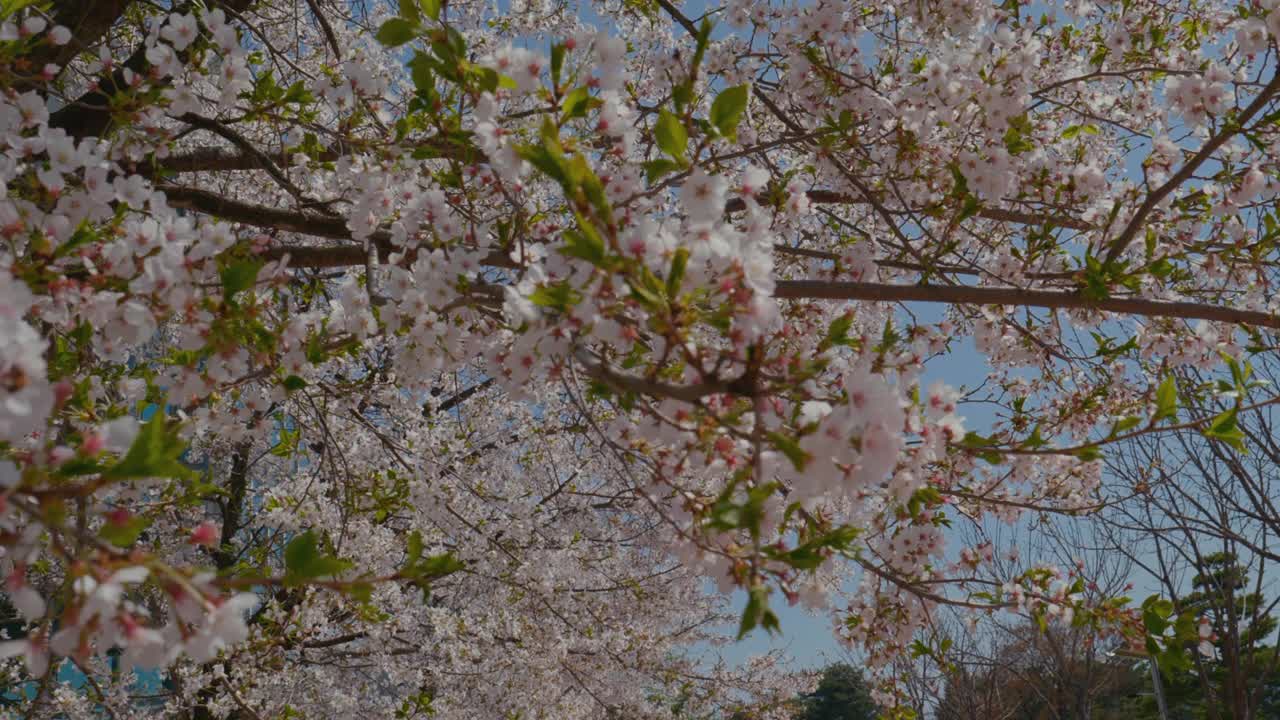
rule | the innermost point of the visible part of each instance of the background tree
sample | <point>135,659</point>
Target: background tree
<point>842,694</point>
<point>1033,673</point>
<point>1198,519</point>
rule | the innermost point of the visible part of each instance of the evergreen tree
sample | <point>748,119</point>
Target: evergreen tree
<point>842,694</point>
<point>1242,678</point>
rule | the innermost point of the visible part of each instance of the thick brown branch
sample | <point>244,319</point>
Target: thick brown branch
<point>212,159</point>
<point>334,641</point>
<point>965,295</point>
<point>233,506</point>
<point>87,21</point>
<point>302,222</point>
<point>90,114</point>
<point>326,28</point>
<point>259,158</point>
<point>301,256</point>
<point>307,223</point>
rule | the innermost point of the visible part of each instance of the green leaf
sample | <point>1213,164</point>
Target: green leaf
<point>727,110</point>
<point>437,566</point>
<point>154,453</point>
<point>810,555</point>
<point>9,7</point>
<point>702,40</point>
<point>558,296</point>
<point>1156,612</point>
<point>1035,440</point>
<point>594,190</point>
<point>550,135</point>
<point>419,568</point>
<point>725,516</point>
<point>1072,131</point>
<point>970,207</point>
<point>1015,138</point>
<point>757,612</point>
<point>424,81</point>
<point>410,10</point>
<point>83,235</point>
<point>925,497</point>
<point>838,331</point>
<point>1089,452</point>
<point>655,169</point>
<point>1125,423</point>
<point>431,8</point>
<point>288,444</point>
<point>413,551</point>
<point>549,157</point>
<point>675,277</point>
<point>79,466</point>
<point>1096,276</point>
<point>451,47</point>
<point>293,382</point>
<point>1166,400</point>
<point>488,78</point>
<point>547,162</point>
<point>1225,429</point>
<point>789,447</point>
<point>239,276</point>
<point>585,245</point>
<point>648,289</point>
<point>671,135</point>
<point>752,511</point>
<point>682,94</point>
<point>557,63</point>
<point>301,552</point>
<point>577,103</point>
<point>304,560</point>
<point>298,94</point>
<point>396,32</point>
<point>361,592</point>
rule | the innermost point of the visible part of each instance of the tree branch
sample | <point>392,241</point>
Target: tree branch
<point>87,21</point>
<point>306,223</point>
<point>213,159</point>
<point>90,114</point>
<point>259,158</point>
<point>1186,171</point>
<point>1058,300</point>
<point>302,222</point>
<point>456,400</point>
<point>643,386</point>
<point>679,17</point>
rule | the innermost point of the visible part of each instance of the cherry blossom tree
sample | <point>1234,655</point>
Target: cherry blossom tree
<point>430,357</point>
